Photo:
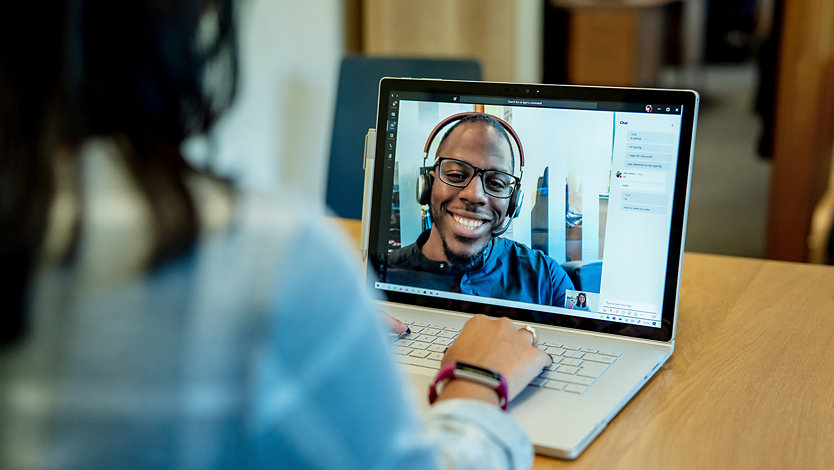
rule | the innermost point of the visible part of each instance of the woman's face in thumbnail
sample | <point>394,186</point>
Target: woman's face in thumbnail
<point>581,299</point>
<point>466,217</point>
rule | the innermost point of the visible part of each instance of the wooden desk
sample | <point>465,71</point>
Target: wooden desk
<point>751,382</point>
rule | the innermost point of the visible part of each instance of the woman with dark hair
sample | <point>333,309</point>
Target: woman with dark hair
<point>581,302</point>
<point>153,317</point>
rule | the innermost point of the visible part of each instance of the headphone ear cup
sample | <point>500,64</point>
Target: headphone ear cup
<point>514,208</point>
<point>424,187</point>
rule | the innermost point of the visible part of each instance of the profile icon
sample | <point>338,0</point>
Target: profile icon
<point>648,108</point>
<point>581,302</point>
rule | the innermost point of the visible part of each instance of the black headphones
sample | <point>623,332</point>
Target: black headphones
<point>424,181</point>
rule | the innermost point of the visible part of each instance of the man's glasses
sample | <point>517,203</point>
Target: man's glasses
<point>459,174</point>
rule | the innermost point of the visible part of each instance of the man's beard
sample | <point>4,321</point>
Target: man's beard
<point>463,262</point>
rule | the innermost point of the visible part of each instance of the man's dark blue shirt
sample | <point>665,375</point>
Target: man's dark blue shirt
<point>510,271</point>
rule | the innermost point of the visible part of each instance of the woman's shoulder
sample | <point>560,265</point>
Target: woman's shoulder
<point>281,232</point>
<point>276,219</point>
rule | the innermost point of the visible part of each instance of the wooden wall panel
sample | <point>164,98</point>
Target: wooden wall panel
<point>352,12</point>
<point>487,30</point>
<point>804,125</point>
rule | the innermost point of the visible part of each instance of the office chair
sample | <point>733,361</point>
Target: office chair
<point>586,275</point>
<point>356,113</point>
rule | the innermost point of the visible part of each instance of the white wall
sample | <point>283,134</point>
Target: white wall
<point>529,28</point>
<point>576,147</point>
<point>278,131</point>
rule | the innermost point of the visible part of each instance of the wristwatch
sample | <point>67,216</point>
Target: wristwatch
<point>471,373</point>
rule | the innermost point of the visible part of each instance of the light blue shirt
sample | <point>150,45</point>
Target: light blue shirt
<point>261,349</point>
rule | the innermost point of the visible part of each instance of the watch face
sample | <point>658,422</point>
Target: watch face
<point>478,374</point>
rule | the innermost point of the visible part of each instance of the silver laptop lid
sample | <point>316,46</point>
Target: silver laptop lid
<point>562,205</point>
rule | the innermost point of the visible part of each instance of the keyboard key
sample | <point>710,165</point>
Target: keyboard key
<point>575,388</point>
<point>553,344</point>
<point>418,353</point>
<point>599,358</point>
<point>435,356</point>
<point>574,354</point>
<point>589,350</point>
<point>610,353</point>
<point>567,369</point>
<point>443,341</point>
<point>555,365</point>
<point>437,348</point>
<point>554,351</point>
<point>567,378</point>
<point>591,369</point>
<point>554,384</point>
<point>430,331</point>
<point>401,350</point>
<point>567,346</point>
<point>454,330</point>
<point>538,382</point>
<point>417,361</point>
<point>425,338</point>
<point>419,345</point>
<point>447,334</point>
<point>569,361</point>
<point>403,342</point>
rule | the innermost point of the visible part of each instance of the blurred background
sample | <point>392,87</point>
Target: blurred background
<point>764,68</point>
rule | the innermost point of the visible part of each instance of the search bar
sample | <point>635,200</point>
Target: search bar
<point>528,102</point>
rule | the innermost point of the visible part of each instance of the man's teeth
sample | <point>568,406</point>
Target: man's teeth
<point>468,223</point>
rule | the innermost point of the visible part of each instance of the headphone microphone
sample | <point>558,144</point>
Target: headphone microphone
<point>424,181</point>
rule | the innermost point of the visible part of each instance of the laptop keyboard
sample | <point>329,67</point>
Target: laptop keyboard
<point>575,367</point>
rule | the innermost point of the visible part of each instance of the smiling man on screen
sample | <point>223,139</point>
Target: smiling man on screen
<point>472,195</point>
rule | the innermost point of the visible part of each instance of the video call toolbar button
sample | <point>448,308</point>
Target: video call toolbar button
<point>665,109</point>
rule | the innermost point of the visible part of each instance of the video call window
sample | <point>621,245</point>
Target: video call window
<point>588,175</point>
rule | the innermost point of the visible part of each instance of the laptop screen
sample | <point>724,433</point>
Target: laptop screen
<point>554,204</point>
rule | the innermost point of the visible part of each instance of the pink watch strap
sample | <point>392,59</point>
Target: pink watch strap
<point>480,375</point>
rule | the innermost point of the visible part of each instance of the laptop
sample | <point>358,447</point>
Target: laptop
<point>576,227</point>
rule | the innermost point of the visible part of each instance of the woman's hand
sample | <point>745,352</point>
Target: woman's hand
<point>494,344</point>
<point>395,326</point>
